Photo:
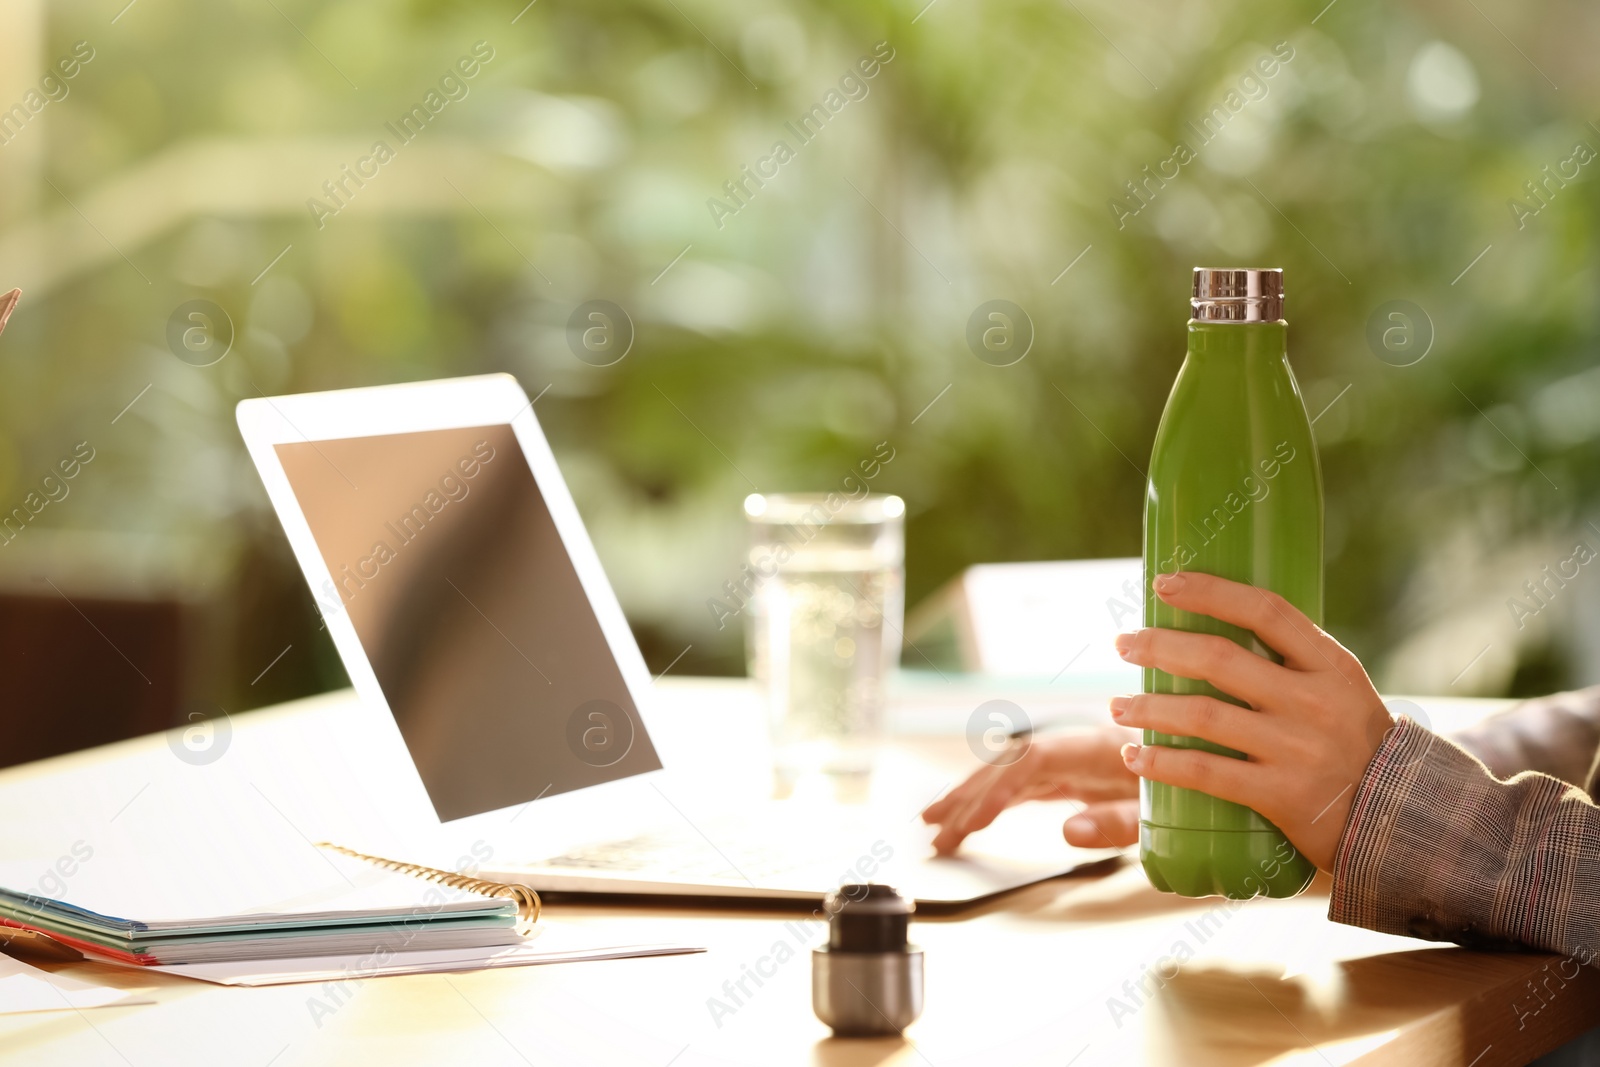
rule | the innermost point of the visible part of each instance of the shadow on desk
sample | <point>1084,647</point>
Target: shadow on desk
<point>1234,990</point>
<point>1270,1014</point>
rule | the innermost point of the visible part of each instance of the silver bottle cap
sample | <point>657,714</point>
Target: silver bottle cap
<point>1251,295</point>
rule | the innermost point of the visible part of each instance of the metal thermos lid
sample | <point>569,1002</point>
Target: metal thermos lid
<point>868,917</point>
<point>1249,295</point>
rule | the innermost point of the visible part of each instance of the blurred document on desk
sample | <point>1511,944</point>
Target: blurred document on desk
<point>1034,620</point>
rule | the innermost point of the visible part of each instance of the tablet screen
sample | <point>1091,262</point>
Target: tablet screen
<point>471,613</point>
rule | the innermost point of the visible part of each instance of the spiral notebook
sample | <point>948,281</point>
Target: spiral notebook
<point>331,902</point>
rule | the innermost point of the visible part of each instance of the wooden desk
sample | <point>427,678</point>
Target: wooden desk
<point>1045,975</point>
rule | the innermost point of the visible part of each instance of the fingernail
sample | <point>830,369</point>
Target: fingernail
<point>1082,822</point>
<point>1168,583</point>
<point>1131,753</point>
<point>1120,706</point>
<point>1125,644</point>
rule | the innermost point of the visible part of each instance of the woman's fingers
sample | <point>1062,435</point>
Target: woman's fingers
<point>1084,764</point>
<point>940,810</point>
<point>981,797</point>
<point>1232,779</point>
<point>997,791</point>
<point>1087,764</point>
<point>1280,625</point>
<point>1228,666</point>
<point>1199,716</point>
<point>1113,824</point>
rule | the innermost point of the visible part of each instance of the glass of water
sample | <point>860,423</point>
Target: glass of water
<point>826,607</point>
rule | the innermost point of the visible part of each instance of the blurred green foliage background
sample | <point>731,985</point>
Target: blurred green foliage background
<point>775,349</point>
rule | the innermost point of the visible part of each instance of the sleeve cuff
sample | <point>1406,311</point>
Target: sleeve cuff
<point>1365,840</point>
<point>1435,847</point>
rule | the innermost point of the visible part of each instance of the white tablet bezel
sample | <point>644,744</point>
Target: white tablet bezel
<point>386,766</point>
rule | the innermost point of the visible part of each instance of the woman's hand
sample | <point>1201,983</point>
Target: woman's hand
<point>1079,765</point>
<point>8,304</point>
<point>1311,729</point>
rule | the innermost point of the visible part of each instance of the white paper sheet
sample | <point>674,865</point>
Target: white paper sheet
<point>553,944</point>
<point>25,988</point>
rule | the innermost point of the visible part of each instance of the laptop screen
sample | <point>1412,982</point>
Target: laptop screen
<point>471,613</point>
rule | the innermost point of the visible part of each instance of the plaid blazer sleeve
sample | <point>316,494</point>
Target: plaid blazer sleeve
<point>1436,847</point>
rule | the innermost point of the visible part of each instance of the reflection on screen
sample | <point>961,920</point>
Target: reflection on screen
<point>449,564</point>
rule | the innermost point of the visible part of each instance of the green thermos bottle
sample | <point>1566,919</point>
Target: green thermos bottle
<point>1235,491</point>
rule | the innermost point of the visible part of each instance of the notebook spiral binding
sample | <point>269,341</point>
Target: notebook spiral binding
<point>527,900</point>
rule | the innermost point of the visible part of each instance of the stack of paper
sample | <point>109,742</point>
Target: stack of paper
<point>334,906</point>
